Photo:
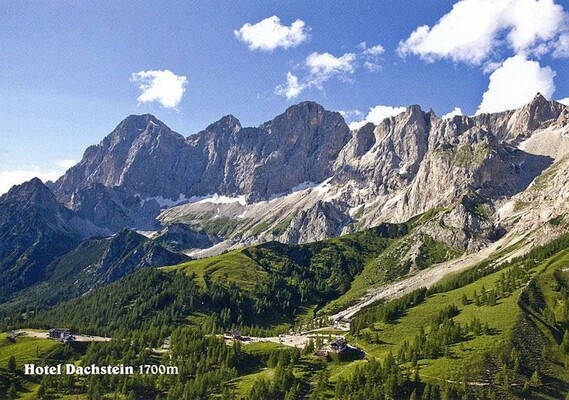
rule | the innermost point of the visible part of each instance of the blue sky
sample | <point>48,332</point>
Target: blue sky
<point>70,71</point>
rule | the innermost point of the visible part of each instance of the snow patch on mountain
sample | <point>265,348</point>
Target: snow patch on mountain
<point>182,199</point>
<point>220,199</point>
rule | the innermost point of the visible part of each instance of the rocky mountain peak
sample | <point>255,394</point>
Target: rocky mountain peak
<point>139,120</point>
<point>226,125</point>
<point>31,193</point>
<point>307,114</point>
<point>535,114</point>
<point>538,98</point>
<point>305,107</point>
<point>414,109</point>
<point>405,165</point>
<point>542,110</point>
<point>134,125</point>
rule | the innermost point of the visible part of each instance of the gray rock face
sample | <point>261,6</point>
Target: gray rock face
<point>305,176</point>
<point>143,157</point>
<point>389,158</point>
<point>139,148</point>
<point>34,230</point>
<point>509,124</point>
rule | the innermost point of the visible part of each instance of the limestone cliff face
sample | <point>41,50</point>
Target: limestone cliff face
<point>304,176</point>
<point>389,155</point>
<point>144,157</point>
<point>125,180</point>
<point>138,148</point>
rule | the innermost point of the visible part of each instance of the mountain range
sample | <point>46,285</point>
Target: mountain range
<point>300,177</point>
<point>436,245</point>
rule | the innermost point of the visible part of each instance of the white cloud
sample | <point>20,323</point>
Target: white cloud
<point>376,115</point>
<point>491,66</point>
<point>270,34</point>
<point>164,87</point>
<point>371,56</point>
<point>291,89</point>
<point>65,164</point>
<point>562,46</point>
<point>374,50</point>
<point>323,66</point>
<point>9,178</point>
<point>372,67</point>
<point>515,83</point>
<point>474,29</point>
<point>455,112</point>
<point>350,114</point>
<point>564,101</point>
<point>16,177</point>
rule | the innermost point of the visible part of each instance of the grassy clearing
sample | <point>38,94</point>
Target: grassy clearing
<point>25,349</point>
<point>244,383</point>
<point>498,317</point>
<point>344,369</point>
<point>232,266</point>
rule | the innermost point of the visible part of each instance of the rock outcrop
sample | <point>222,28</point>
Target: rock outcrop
<point>304,176</point>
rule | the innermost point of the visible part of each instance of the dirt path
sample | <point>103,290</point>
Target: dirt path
<point>78,338</point>
<point>344,328</point>
<point>425,278</point>
<point>298,340</point>
<point>286,340</point>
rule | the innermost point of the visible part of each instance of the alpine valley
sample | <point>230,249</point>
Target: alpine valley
<point>420,258</point>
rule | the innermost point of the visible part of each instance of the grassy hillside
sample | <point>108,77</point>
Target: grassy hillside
<point>350,264</point>
<point>25,350</point>
<point>234,266</point>
<point>492,331</point>
<point>496,328</point>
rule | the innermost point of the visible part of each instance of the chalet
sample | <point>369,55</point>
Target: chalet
<point>166,343</point>
<point>343,320</point>
<point>236,334</point>
<point>63,335</point>
<point>339,345</point>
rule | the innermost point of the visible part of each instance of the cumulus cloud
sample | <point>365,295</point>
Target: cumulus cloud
<point>371,66</point>
<point>325,64</point>
<point>163,87</point>
<point>453,113</point>
<point>270,34</point>
<point>515,83</point>
<point>65,164</point>
<point>372,56</point>
<point>376,115</point>
<point>292,88</point>
<point>350,114</point>
<point>321,67</point>
<point>16,177</point>
<point>373,51</point>
<point>9,178</point>
<point>562,47</point>
<point>474,30</point>
<point>564,101</point>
